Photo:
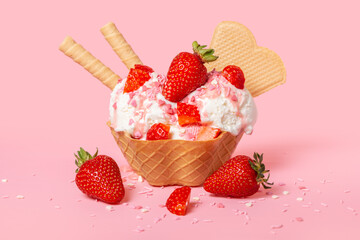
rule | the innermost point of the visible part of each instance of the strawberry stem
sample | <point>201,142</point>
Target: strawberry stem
<point>206,55</point>
<point>82,157</point>
<point>259,168</point>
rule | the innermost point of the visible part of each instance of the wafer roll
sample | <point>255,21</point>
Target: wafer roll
<point>119,45</point>
<point>80,55</point>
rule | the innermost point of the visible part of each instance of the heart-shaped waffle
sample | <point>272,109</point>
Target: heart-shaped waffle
<point>236,45</point>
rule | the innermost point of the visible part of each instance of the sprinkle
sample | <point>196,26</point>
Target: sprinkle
<point>324,204</point>
<point>282,184</point>
<point>248,204</point>
<point>4,180</point>
<point>6,196</point>
<point>196,199</point>
<point>299,199</point>
<point>286,205</point>
<point>299,219</point>
<point>347,191</point>
<point>114,105</point>
<point>317,211</point>
<point>140,179</point>
<point>194,221</point>
<point>133,103</point>
<point>137,207</point>
<point>227,94</point>
<point>214,82</point>
<point>275,196</point>
<point>285,192</point>
<point>57,207</point>
<point>162,205</point>
<point>303,188</point>
<point>220,205</point>
<point>161,102</point>
<point>342,201</point>
<point>131,121</point>
<point>156,220</point>
<point>350,209</point>
<point>79,200</point>
<point>262,199</point>
<point>212,203</point>
<point>177,218</point>
<point>208,220</point>
<point>305,206</point>
<point>284,210</point>
<point>139,229</point>
<point>300,179</point>
<point>20,197</point>
<point>164,215</point>
<point>71,181</point>
<point>109,208</point>
<point>145,210</point>
<point>211,87</point>
<point>277,226</point>
<point>322,181</point>
<point>269,193</point>
<point>93,215</point>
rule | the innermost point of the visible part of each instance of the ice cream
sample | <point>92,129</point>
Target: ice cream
<point>220,104</point>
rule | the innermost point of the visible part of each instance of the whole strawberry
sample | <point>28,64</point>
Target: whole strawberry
<point>240,176</point>
<point>187,72</point>
<point>99,177</point>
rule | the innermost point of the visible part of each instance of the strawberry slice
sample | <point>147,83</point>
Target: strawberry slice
<point>234,75</point>
<point>178,201</point>
<point>137,77</point>
<point>187,114</point>
<point>158,131</point>
<point>208,133</point>
<point>144,68</point>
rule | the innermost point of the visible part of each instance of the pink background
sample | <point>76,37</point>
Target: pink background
<point>308,129</point>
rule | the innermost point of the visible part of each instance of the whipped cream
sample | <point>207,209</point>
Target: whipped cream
<point>220,104</point>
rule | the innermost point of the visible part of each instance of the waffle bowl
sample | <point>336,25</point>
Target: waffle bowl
<point>176,162</point>
<point>179,162</point>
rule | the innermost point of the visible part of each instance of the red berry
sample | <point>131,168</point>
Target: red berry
<point>99,177</point>
<point>187,72</point>
<point>178,201</point>
<point>208,133</point>
<point>144,68</point>
<point>240,176</point>
<point>137,77</point>
<point>158,131</point>
<point>234,75</point>
<point>187,114</point>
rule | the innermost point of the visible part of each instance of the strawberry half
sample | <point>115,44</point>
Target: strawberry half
<point>137,77</point>
<point>158,131</point>
<point>187,72</point>
<point>234,75</point>
<point>240,176</point>
<point>187,114</point>
<point>99,177</point>
<point>207,133</point>
<point>178,201</point>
